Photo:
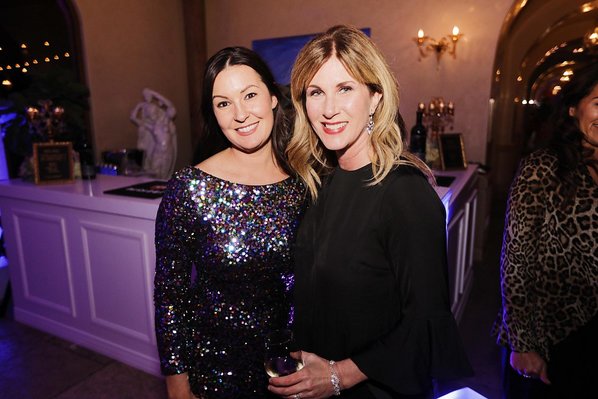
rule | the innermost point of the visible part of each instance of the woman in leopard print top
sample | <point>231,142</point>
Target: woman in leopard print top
<point>549,262</point>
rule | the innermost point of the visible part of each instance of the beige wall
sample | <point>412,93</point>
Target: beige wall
<point>130,45</point>
<point>394,23</point>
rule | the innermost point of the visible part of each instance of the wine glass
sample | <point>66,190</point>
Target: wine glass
<point>279,345</point>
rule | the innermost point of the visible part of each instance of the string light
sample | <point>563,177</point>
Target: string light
<point>23,67</point>
<point>555,90</point>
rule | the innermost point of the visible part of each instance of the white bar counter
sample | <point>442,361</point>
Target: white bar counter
<point>81,264</point>
<point>460,200</point>
<point>85,194</point>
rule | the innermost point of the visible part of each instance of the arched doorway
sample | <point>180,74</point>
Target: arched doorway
<point>40,58</point>
<point>540,43</point>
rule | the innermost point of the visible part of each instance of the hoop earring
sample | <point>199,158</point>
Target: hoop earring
<point>370,126</point>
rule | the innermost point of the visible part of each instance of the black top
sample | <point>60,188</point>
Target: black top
<point>372,283</point>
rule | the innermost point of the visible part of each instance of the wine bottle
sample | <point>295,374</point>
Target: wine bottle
<point>417,144</point>
<point>88,166</point>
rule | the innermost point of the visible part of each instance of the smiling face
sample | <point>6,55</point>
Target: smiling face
<point>243,107</point>
<point>586,114</point>
<point>338,107</point>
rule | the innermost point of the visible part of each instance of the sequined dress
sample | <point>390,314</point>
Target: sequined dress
<point>223,279</point>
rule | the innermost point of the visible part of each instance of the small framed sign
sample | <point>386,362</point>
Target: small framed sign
<point>452,151</point>
<point>53,162</point>
<point>151,189</point>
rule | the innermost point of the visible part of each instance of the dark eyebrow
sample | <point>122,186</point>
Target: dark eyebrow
<point>248,87</point>
<point>242,91</point>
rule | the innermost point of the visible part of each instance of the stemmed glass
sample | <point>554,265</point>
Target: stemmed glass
<point>279,345</point>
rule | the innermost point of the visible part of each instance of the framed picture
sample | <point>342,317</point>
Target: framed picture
<point>452,151</point>
<point>53,162</point>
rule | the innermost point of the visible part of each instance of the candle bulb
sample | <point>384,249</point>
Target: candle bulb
<point>58,112</point>
<point>432,107</point>
<point>32,113</point>
<point>455,30</point>
<point>420,34</point>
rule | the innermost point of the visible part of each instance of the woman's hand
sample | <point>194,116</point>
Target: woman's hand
<point>530,365</point>
<point>313,380</point>
<point>177,387</point>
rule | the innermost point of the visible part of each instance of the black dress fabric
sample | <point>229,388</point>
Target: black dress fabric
<point>372,283</point>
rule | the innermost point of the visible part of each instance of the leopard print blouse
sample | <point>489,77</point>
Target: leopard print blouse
<point>549,260</point>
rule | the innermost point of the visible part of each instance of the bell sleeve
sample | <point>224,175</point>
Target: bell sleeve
<point>425,343</point>
<point>172,279</point>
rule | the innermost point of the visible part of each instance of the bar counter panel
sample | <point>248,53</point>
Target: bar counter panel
<point>81,264</point>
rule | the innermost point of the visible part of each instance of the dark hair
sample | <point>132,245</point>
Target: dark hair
<point>212,140</point>
<point>567,139</point>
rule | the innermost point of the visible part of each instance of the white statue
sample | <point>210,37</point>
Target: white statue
<point>156,133</point>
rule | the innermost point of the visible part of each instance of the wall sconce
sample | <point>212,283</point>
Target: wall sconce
<point>427,45</point>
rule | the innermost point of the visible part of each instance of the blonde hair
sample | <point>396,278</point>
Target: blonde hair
<point>364,62</point>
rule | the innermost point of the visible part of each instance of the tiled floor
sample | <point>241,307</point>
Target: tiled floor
<point>34,365</point>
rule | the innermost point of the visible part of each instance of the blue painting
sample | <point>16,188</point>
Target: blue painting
<point>280,53</point>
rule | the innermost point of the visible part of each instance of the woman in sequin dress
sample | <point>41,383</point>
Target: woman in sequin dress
<point>223,232</point>
<point>372,313</point>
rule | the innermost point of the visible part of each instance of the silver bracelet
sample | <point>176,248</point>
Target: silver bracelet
<point>334,380</point>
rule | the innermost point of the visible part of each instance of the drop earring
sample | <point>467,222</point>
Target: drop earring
<point>370,126</point>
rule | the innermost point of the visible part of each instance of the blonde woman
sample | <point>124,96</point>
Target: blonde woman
<point>372,313</point>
